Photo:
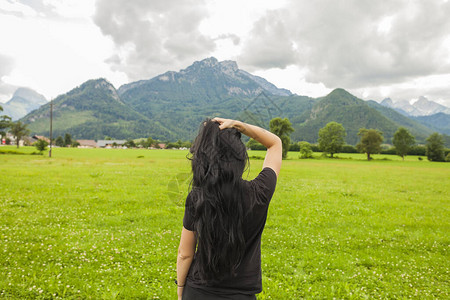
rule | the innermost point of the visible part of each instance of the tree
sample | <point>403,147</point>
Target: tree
<point>5,122</point>
<point>305,150</point>
<point>370,142</point>
<point>403,142</point>
<point>331,138</point>
<point>41,145</point>
<point>435,147</point>
<point>19,130</point>
<point>67,140</point>
<point>282,128</point>
<point>59,141</point>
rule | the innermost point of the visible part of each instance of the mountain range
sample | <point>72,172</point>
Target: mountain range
<point>172,105</point>
<point>421,107</point>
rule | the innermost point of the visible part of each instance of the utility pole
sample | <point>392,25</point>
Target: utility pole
<point>51,127</point>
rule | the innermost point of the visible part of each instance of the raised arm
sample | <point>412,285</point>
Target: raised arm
<point>266,138</point>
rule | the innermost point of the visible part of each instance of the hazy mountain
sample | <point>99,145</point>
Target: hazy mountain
<point>439,122</point>
<point>93,111</point>
<point>422,107</point>
<point>22,102</point>
<point>427,107</point>
<point>420,131</point>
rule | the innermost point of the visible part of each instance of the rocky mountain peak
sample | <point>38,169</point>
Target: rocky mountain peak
<point>209,62</point>
<point>229,67</point>
<point>387,102</point>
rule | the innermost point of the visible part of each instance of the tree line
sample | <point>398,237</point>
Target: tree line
<point>331,140</point>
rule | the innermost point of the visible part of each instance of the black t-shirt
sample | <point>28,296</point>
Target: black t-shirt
<point>248,280</point>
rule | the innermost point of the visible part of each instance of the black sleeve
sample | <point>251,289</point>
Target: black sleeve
<point>264,185</point>
<point>188,219</point>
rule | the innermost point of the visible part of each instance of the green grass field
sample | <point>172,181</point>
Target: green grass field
<point>105,224</point>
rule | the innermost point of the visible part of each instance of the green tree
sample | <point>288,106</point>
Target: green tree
<point>403,142</point>
<point>67,140</point>
<point>435,147</point>
<point>59,141</point>
<point>5,122</point>
<point>282,128</point>
<point>19,130</point>
<point>370,142</point>
<point>305,150</point>
<point>41,145</point>
<point>331,138</point>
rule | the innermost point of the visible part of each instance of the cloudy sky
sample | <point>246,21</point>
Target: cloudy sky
<point>398,49</point>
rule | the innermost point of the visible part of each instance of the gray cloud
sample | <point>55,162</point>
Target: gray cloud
<point>6,66</point>
<point>340,42</point>
<point>269,44</point>
<point>152,36</point>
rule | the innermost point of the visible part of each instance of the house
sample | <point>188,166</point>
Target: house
<point>110,143</point>
<point>41,137</point>
<point>87,144</point>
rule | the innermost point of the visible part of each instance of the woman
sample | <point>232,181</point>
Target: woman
<point>219,256</point>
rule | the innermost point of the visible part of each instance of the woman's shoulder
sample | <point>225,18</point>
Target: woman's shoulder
<point>263,185</point>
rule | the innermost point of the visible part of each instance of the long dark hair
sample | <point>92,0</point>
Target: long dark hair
<point>219,159</point>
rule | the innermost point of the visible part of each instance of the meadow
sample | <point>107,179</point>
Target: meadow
<point>105,224</point>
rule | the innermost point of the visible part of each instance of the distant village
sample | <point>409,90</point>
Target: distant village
<point>9,139</point>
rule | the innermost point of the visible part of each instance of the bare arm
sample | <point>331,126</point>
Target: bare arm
<point>185,256</point>
<point>266,138</point>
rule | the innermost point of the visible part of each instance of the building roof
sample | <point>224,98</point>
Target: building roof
<point>87,143</point>
<point>41,137</point>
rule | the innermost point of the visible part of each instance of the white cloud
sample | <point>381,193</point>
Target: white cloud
<point>6,67</point>
<point>53,55</point>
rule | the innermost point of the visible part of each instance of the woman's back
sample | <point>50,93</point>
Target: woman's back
<point>225,215</point>
<point>247,278</point>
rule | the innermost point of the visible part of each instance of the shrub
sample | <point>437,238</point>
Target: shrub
<point>305,150</point>
<point>41,145</point>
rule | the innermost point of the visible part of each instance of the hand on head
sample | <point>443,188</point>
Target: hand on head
<point>224,123</point>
